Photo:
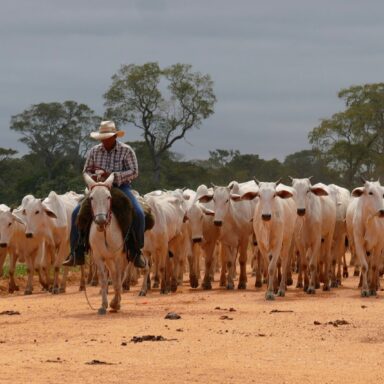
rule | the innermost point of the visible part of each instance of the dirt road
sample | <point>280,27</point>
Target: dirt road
<point>326,338</point>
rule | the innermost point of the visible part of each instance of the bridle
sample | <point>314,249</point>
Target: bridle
<point>109,213</point>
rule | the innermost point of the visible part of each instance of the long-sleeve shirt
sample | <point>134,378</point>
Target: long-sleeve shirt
<point>121,160</point>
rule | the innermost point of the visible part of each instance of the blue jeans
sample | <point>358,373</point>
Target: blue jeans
<point>138,220</point>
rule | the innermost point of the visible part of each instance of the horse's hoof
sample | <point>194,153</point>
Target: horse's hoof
<point>269,295</point>
<point>281,293</point>
<point>242,285</point>
<point>102,311</point>
<point>28,292</point>
<point>142,293</point>
<point>311,291</point>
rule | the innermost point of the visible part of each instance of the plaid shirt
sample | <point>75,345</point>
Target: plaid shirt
<point>121,160</point>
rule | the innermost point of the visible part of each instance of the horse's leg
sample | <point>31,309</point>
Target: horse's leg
<point>82,278</point>
<point>115,270</point>
<point>146,279</point>
<point>103,277</point>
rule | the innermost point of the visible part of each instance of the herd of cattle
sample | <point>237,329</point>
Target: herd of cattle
<point>282,228</point>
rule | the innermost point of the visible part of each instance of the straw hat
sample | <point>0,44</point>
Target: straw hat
<point>107,129</point>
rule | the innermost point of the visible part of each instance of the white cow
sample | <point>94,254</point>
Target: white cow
<point>169,212</point>
<point>30,251</point>
<point>368,229</point>
<point>342,197</point>
<point>49,221</point>
<point>234,217</point>
<point>317,216</point>
<point>3,250</point>
<point>274,222</point>
<point>203,233</point>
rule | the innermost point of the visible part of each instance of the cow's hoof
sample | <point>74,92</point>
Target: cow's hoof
<point>163,291</point>
<point>269,295</point>
<point>28,292</point>
<point>299,285</point>
<point>102,311</point>
<point>11,290</point>
<point>364,293</point>
<point>356,273</point>
<point>82,288</point>
<point>335,284</point>
<point>156,285</point>
<point>317,285</point>
<point>372,292</point>
<point>326,288</point>
<point>289,281</point>
<point>142,293</point>
<point>242,285</point>
<point>62,290</point>
<point>281,293</point>
<point>258,284</point>
<point>311,291</point>
<point>93,283</point>
<point>230,286</point>
<point>193,282</point>
<point>174,287</point>
<point>206,285</point>
<point>55,291</point>
<point>345,273</point>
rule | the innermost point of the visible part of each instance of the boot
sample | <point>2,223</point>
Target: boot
<point>139,260</point>
<point>76,257</point>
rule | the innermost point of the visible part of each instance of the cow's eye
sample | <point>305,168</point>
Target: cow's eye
<point>37,212</point>
<point>371,193</point>
<point>23,212</point>
<point>9,224</point>
<point>227,200</point>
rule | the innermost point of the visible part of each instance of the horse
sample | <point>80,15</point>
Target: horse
<point>106,241</point>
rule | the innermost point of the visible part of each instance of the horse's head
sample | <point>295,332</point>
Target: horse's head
<point>101,201</point>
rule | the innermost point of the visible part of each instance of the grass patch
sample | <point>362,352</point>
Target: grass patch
<point>20,270</point>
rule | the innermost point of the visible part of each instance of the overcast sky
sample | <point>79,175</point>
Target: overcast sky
<point>277,65</point>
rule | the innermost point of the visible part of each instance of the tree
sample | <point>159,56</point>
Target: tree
<point>55,130</point>
<point>352,141</point>
<point>163,103</point>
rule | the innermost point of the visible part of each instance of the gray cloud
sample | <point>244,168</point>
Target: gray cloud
<point>277,65</point>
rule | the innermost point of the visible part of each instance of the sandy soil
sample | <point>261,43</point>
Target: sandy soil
<point>55,337</point>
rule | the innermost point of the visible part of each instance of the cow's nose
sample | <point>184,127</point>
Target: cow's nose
<point>29,235</point>
<point>266,216</point>
<point>100,219</point>
<point>381,213</point>
<point>218,223</point>
<point>301,211</point>
<point>3,245</point>
<point>197,240</point>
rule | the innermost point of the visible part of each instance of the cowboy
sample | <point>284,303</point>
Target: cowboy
<point>111,156</point>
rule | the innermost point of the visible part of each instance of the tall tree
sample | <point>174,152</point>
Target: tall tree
<point>55,130</point>
<point>163,103</point>
<point>352,141</point>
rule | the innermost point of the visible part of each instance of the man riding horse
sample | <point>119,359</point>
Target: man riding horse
<point>111,156</point>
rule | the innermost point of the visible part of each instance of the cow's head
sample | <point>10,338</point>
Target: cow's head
<point>372,194</point>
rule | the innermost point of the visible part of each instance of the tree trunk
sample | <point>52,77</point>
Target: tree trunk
<point>156,170</point>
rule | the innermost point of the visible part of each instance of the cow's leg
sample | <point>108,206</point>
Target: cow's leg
<point>29,288</point>
<point>193,260</point>
<point>3,254</point>
<point>273,259</point>
<point>146,279</point>
<point>243,255</point>
<point>360,252</point>
<point>259,265</point>
<point>156,275</point>
<point>374,270</point>
<point>163,261</point>
<point>63,284</point>
<point>314,253</point>
<point>230,253</point>
<point>208,248</point>
<point>285,262</point>
<point>223,273</point>
<point>329,261</point>
<point>12,287</point>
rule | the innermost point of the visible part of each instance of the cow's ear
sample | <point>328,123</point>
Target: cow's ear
<point>205,198</point>
<point>250,195</point>
<point>235,197</point>
<point>284,194</point>
<point>207,211</point>
<point>50,213</point>
<point>318,191</point>
<point>357,192</point>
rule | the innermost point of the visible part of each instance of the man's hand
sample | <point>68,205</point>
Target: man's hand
<point>105,175</point>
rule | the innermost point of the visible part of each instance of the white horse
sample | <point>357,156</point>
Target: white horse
<point>106,241</point>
